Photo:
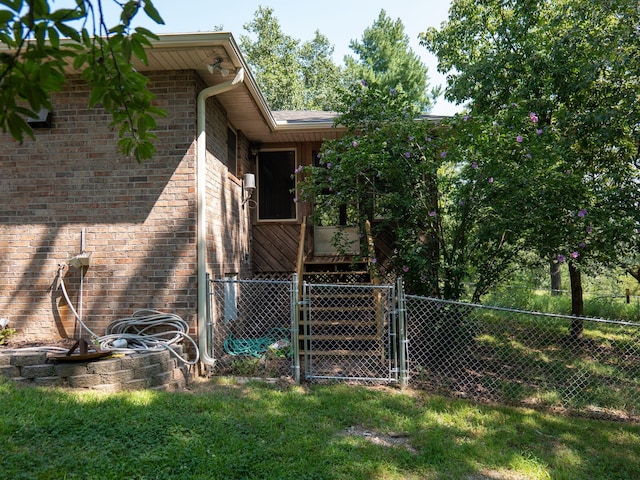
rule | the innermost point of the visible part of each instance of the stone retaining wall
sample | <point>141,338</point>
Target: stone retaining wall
<point>158,370</point>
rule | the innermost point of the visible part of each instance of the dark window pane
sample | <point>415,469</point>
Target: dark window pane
<point>275,185</point>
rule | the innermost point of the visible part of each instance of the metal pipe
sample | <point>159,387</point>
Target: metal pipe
<point>201,185</point>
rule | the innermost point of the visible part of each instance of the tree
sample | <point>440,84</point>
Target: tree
<point>386,60</point>
<point>429,185</point>
<point>40,43</point>
<point>574,66</point>
<point>291,76</point>
<point>322,77</point>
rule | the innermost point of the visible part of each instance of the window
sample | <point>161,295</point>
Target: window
<point>276,185</point>
<point>232,151</point>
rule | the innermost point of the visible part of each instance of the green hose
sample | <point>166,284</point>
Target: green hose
<point>255,347</point>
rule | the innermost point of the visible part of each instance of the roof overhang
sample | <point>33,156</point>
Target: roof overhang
<point>246,106</point>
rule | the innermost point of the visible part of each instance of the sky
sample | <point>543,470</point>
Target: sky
<point>339,20</point>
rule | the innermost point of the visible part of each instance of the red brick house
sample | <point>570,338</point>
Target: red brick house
<point>153,230</point>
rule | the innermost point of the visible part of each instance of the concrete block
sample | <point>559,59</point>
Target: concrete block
<point>5,359</point>
<point>105,366</point>
<point>117,377</point>
<point>147,372</point>
<point>38,371</point>
<point>84,381</point>
<point>9,371</point>
<point>136,361</point>
<point>49,382</point>
<point>22,359</point>
<point>70,369</point>
<point>157,357</point>
<point>136,384</point>
<point>108,387</point>
<point>162,378</point>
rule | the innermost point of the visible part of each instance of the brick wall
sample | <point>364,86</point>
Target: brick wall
<point>139,219</point>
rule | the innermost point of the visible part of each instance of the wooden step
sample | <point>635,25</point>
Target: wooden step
<point>340,323</point>
<point>347,338</point>
<point>344,353</point>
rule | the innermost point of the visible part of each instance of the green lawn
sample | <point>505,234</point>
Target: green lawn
<point>224,430</point>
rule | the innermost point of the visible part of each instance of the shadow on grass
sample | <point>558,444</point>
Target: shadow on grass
<point>530,360</point>
<point>259,431</point>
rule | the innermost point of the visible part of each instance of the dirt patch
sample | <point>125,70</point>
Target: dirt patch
<point>385,440</point>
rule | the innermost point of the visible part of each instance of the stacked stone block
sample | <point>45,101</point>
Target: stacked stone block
<point>157,370</point>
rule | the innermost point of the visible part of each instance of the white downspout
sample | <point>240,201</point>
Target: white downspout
<point>201,185</point>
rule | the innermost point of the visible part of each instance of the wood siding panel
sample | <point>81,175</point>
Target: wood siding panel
<point>275,247</point>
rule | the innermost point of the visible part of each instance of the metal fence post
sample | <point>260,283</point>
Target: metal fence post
<point>402,336</point>
<point>295,322</point>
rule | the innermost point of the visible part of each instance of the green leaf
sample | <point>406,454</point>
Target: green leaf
<point>18,127</point>
<point>6,16</point>
<point>68,31</point>
<point>139,50</point>
<point>54,38</point>
<point>15,5</point>
<point>97,94</point>
<point>152,13</point>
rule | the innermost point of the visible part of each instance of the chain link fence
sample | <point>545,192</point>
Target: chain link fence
<point>350,332</point>
<point>250,330</point>
<point>524,358</point>
<point>376,333</point>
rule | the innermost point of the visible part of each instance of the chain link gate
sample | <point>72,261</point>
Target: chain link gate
<point>352,332</point>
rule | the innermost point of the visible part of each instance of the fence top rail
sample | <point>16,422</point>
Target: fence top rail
<point>238,280</point>
<point>527,312</point>
<point>350,285</point>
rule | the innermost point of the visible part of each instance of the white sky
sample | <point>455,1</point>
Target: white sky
<point>339,20</point>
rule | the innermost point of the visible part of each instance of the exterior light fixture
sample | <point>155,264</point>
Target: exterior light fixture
<point>217,65</point>
<point>248,186</point>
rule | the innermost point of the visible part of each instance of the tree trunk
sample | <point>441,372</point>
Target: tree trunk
<point>577,304</point>
<point>556,277</point>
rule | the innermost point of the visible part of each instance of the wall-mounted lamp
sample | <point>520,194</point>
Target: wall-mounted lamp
<point>217,65</point>
<point>248,186</point>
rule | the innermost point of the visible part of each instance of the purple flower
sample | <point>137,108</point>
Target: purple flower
<point>582,244</point>
<point>490,179</point>
<point>432,213</point>
<point>582,213</point>
<point>467,117</point>
<point>519,139</point>
<point>575,254</point>
<point>407,155</point>
<point>562,258</point>
<point>423,278</point>
<point>405,269</point>
<point>295,199</point>
<point>329,164</point>
<point>392,91</point>
<point>429,139</point>
<point>374,260</point>
<point>539,131</point>
<point>533,117</point>
<point>443,154</point>
<point>474,165</point>
<point>589,229</point>
<point>355,143</point>
<point>364,83</point>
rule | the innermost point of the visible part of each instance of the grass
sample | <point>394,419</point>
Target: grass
<point>224,430</point>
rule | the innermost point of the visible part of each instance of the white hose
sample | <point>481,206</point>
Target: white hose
<point>146,330</point>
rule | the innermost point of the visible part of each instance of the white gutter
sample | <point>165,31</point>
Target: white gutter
<point>201,185</point>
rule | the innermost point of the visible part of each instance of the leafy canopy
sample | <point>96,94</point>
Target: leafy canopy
<point>385,59</point>
<point>40,43</point>
<point>292,76</point>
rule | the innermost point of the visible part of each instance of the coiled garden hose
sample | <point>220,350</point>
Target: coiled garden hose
<point>255,347</point>
<point>146,330</point>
